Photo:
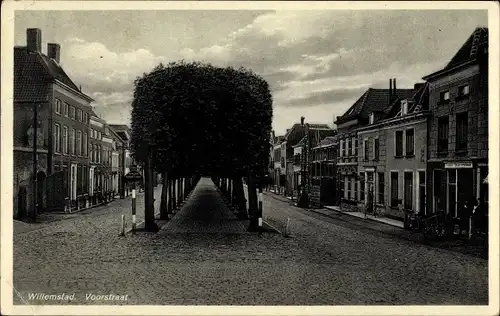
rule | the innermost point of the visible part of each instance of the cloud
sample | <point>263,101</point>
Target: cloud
<point>316,62</point>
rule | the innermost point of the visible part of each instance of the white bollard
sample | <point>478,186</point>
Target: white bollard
<point>122,232</point>
<point>133,211</point>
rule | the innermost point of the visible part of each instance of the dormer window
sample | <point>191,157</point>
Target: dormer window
<point>371,118</point>
<point>404,107</point>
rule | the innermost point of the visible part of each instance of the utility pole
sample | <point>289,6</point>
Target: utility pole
<point>35,162</point>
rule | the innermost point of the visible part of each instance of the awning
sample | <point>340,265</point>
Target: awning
<point>485,180</point>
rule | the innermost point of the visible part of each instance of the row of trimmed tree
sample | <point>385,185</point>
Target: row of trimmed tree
<point>193,119</point>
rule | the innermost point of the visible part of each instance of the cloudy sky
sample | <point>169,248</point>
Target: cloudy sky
<point>317,62</point>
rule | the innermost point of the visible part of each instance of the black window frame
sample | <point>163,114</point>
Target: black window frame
<point>443,125</point>
<point>412,137</point>
<point>462,131</point>
<point>399,140</point>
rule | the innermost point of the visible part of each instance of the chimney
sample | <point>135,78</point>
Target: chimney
<point>34,40</point>
<point>54,51</point>
<point>394,86</point>
<point>302,120</point>
<point>390,92</point>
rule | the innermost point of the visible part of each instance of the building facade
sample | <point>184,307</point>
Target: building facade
<point>61,135</point>
<point>124,133</point>
<point>393,157</point>
<point>351,180</point>
<point>458,131</point>
<point>323,172</point>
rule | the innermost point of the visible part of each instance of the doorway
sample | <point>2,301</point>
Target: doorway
<point>40,191</point>
<point>22,207</point>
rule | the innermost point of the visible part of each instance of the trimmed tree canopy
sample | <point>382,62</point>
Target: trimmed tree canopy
<point>198,118</point>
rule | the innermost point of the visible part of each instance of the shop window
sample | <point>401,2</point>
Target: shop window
<point>452,192</point>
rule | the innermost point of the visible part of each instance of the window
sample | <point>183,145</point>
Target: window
<point>421,192</point>
<point>72,112</point>
<point>463,90</point>
<point>341,186</point>
<point>444,97</point>
<point>355,187</point>
<point>99,153</point>
<point>408,195</point>
<point>341,148</point>
<point>98,135</point>
<point>381,189</point>
<point>410,142</point>
<point>371,118</point>
<point>73,141</point>
<point>376,149</point>
<point>462,131</point>
<point>399,144</point>
<point>394,189</point>
<point>404,107</point>
<point>452,191</point>
<point>65,140</point>
<point>85,180</point>
<point>443,134</point>
<point>57,138</point>
<point>58,106</point>
<point>348,148</point>
<point>79,115</point>
<point>362,186</point>
<point>79,176</point>
<point>79,143</point>
<point>85,144</point>
<point>84,117</point>
<point>366,149</point>
<point>355,146</point>
<point>348,179</point>
<point>66,109</point>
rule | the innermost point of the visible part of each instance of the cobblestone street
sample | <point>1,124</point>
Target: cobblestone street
<point>205,256</point>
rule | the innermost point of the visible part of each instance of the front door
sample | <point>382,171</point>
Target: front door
<point>73,182</point>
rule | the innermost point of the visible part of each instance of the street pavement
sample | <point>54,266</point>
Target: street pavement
<point>204,256</point>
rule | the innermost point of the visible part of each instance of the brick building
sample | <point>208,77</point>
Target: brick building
<point>323,171</point>
<point>392,156</point>
<point>99,169</point>
<point>458,129</point>
<point>371,104</point>
<point>61,123</point>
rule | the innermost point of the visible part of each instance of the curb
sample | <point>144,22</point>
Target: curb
<point>347,213</point>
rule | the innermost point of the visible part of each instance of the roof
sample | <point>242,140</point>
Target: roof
<point>301,142</point>
<point>420,102</point>
<point>32,71</point>
<point>373,100</point>
<point>467,52</point>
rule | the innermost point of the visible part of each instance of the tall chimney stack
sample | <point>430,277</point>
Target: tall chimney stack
<point>34,40</point>
<point>302,120</point>
<point>390,92</point>
<point>54,51</point>
<point>394,86</point>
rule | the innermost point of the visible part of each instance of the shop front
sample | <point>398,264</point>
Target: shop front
<point>458,186</point>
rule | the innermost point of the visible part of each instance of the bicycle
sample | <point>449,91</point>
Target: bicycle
<point>431,227</point>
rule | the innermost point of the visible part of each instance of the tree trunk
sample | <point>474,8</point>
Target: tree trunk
<point>170,195</point>
<point>149,215</point>
<point>252,203</point>
<point>174,195</point>
<point>164,193</point>
<point>240,199</point>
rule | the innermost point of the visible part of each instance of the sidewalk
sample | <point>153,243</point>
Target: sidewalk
<point>205,212</point>
<point>384,220</point>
